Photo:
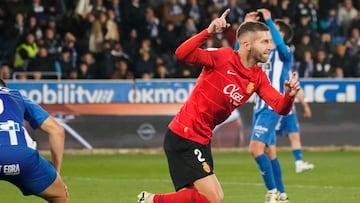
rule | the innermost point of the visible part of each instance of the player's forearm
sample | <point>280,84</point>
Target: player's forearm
<point>281,104</point>
<point>285,105</point>
<point>57,142</point>
<point>185,51</point>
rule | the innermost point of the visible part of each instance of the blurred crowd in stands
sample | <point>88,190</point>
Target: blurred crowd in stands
<point>130,39</point>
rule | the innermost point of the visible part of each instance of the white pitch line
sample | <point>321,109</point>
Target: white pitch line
<point>221,182</point>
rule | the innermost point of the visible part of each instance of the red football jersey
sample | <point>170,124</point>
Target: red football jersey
<point>223,85</point>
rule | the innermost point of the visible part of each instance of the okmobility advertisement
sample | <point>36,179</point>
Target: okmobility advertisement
<point>134,114</point>
<point>162,91</point>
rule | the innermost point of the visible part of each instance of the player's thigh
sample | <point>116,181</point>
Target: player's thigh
<point>188,161</point>
<point>264,127</point>
<point>210,187</point>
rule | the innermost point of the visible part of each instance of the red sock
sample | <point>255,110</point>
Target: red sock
<point>183,196</point>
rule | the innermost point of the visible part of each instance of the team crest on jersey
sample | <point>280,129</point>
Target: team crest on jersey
<point>206,167</point>
<point>250,87</point>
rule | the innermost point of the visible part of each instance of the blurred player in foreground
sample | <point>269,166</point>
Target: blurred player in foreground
<point>227,81</point>
<point>289,126</point>
<point>20,162</point>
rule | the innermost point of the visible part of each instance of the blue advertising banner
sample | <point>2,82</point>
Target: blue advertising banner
<point>161,91</point>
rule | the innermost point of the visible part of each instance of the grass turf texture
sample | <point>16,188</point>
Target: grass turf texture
<point>108,178</point>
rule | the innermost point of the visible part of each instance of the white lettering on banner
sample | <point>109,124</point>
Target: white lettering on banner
<point>317,94</point>
<point>68,93</point>
<point>160,95</point>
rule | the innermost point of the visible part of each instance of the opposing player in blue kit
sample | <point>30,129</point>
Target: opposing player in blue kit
<point>20,162</point>
<point>263,139</point>
<point>289,126</point>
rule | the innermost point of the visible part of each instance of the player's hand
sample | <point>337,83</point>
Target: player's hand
<point>292,86</point>
<point>218,25</point>
<point>251,17</point>
<point>266,13</point>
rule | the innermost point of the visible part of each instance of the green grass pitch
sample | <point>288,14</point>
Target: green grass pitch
<point>108,178</point>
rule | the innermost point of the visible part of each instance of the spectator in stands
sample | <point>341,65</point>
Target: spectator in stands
<point>144,64</point>
<point>117,8</point>
<point>24,52</point>
<point>131,44</point>
<point>353,40</point>
<point>168,44</point>
<point>308,9</point>
<point>304,45</point>
<point>117,52</point>
<point>341,61</point>
<point>5,71</point>
<point>306,65</point>
<point>105,61</point>
<point>304,28</point>
<point>39,10</point>
<point>84,72</point>
<point>98,32</point>
<point>83,8</point>
<point>193,9</point>
<point>73,75</point>
<point>173,12</point>
<point>330,23</point>
<point>112,31</point>
<point>161,72</point>
<point>326,44</point>
<point>355,62</point>
<point>122,70</point>
<point>43,62</point>
<point>18,29</point>
<point>134,16</point>
<point>151,29</point>
<point>64,64</point>
<point>346,12</point>
<point>322,65</point>
<point>189,29</point>
<point>92,67</point>
<point>68,42</point>
<point>236,14</point>
<point>34,28</point>
<point>51,43</point>
<point>98,7</point>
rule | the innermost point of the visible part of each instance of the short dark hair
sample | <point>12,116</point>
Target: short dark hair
<point>286,29</point>
<point>251,26</point>
<point>2,83</point>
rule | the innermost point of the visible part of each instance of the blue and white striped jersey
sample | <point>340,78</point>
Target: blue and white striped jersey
<point>14,108</point>
<point>278,67</point>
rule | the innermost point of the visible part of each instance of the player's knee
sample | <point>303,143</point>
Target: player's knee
<point>217,197</point>
<point>56,193</point>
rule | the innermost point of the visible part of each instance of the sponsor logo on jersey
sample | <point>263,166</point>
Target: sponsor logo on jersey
<point>232,91</point>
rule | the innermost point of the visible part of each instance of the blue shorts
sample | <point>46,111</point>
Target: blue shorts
<point>26,169</point>
<point>288,124</point>
<point>264,124</point>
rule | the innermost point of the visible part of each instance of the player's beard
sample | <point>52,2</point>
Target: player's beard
<point>261,57</point>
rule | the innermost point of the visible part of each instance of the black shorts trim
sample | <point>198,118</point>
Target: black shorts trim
<point>188,161</point>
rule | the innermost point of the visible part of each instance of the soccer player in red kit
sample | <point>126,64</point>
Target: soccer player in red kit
<point>227,80</point>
